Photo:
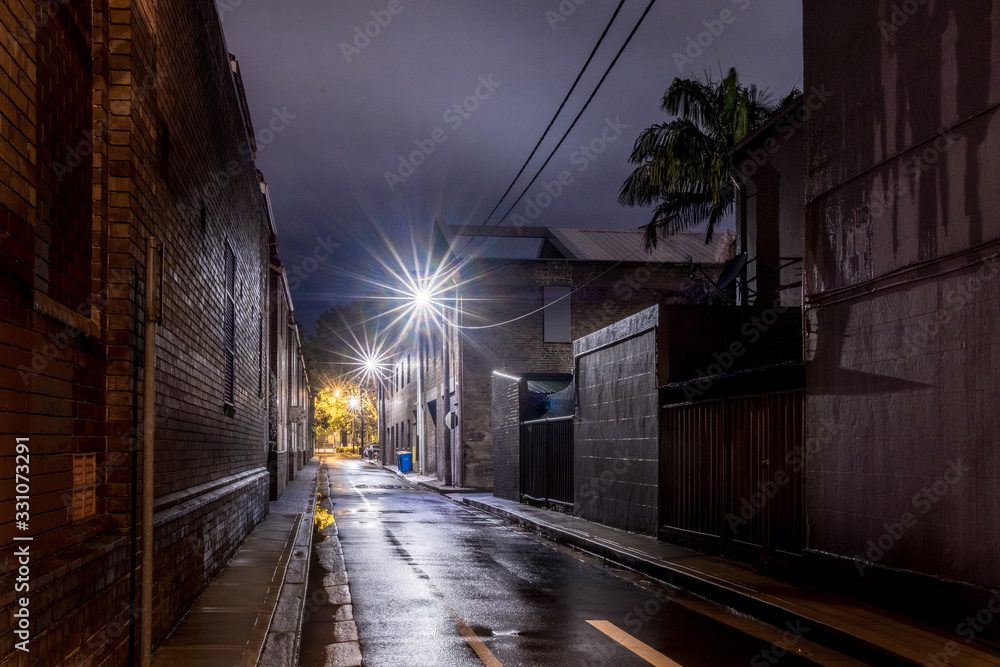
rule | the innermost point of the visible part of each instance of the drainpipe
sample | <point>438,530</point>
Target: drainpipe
<point>154,252</point>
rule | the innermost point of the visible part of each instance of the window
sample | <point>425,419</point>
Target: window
<point>229,328</point>
<point>408,369</point>
<point>260,356</point>
<point>558,316</point>
<point>84,486</point>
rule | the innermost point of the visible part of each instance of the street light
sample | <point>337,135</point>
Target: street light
<point>427,304</point>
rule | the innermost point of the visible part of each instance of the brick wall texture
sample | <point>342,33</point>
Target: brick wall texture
<point>122,120</point>
<point>508,290</point>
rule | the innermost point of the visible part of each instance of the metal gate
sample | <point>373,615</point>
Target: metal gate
<point>731,471</point>
<point>547,460</point>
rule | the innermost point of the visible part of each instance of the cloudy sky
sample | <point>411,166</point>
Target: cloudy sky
<point>374,117</point>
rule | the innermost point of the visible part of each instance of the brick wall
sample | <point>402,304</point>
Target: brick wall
<point>508,290</point>
<point>168,157</point>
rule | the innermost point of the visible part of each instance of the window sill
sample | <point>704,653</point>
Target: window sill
<point>48,306</point>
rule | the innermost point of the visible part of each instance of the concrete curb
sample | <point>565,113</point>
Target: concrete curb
<point>284,634</point>
<point>344,649</point>
<point>717,590</point>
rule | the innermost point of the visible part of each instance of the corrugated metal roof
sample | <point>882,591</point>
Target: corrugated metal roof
<point>626,245</point>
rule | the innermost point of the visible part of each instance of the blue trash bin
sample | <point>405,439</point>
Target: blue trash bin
<point>405,461</point>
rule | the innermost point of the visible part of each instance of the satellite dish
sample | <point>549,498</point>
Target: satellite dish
<point>732,270</point>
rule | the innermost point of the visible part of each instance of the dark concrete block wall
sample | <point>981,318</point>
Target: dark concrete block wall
<point>510,289</point>
<point>616,437</point>
<point>902,231</point>
<point>507,393</point>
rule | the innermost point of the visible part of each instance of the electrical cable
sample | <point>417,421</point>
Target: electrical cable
<point>549,159</point>
<point>555,116</point>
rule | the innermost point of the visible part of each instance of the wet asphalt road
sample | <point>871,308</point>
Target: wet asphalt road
<point>437,583</point>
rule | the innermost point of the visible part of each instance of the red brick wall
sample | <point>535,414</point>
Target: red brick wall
<point>75,208</point>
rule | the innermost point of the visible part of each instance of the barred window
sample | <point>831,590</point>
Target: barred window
<point>229,328</point>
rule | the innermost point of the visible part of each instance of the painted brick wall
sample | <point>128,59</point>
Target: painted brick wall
<point>901,286</point>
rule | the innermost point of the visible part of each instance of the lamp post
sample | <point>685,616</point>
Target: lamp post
<point>353,404</point>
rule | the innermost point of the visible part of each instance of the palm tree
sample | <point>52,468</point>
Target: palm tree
<point>683,165</point>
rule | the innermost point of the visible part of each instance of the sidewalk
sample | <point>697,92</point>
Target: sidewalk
<point>252,611</point>
<point>429,482</point>
<point>852,627</point>
<point>844,624</point>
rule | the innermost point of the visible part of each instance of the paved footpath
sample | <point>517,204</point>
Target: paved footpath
<point>251,613</point>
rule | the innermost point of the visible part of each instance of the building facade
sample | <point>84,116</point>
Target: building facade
<point>126,141</point>
<point>519,316</point>
<point>901,277</point>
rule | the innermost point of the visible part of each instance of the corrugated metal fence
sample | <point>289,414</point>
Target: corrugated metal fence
<point>547,460</point>
<point>732,470</point>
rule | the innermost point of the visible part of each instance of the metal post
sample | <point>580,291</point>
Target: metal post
<point>153,254</point>
<point>447,403</point>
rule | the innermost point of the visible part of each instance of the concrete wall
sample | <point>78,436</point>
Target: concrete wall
<point>506,437</point>
<point>616,437</point>
<point>901,286</point>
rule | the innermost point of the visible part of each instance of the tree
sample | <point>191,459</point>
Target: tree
<point>334,411</point>
<point>683,165</point>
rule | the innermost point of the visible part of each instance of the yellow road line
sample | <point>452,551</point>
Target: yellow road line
<point>473,639</point>
<point>644,651</point>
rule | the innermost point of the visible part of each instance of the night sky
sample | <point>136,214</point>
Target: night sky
<point>462,90</point>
